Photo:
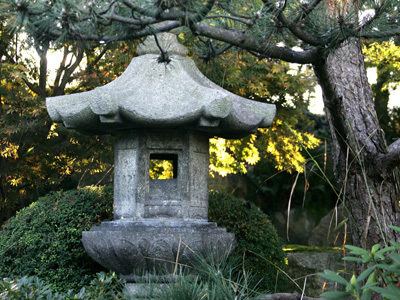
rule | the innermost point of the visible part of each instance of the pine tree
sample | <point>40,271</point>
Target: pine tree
<point>325,34</point>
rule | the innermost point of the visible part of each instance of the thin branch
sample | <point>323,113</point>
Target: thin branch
<point>246,22</point>
<point>68,72</point>
<point>202,12</point>
<point>214,52</point>
<point>231,12</point>
<point>61,68</point>
<point>298,32</point>
<point>98,58</point>
<point>146,12</point>
<point>306,10</point>
<point>138,23</point>
<point>378,13</point>
<point>164,57</point>
<point>31,86</point>
<point>380,34</point>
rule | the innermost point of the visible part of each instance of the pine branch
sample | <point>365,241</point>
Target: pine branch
<point>240,39</point>
<point>110,6</point>
<point>293,27</point>
<point>61,68</point>
<point>163,27</point>
<point>213,52</point>
<point>203,11</point>
<point>380,34</point>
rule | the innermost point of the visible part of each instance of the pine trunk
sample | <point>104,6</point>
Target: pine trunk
<point>368,190</point>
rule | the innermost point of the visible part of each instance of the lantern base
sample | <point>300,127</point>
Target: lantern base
<point>153,251</point>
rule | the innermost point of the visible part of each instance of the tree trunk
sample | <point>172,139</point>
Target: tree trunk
<point>369,191</point>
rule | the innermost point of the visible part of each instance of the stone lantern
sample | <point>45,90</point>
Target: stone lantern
<point>161,112</point>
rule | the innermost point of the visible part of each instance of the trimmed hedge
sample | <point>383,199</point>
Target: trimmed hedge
<point>44,239</point>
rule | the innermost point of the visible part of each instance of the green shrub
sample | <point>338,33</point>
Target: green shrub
<point>257,240</point>
<point>44,239</point>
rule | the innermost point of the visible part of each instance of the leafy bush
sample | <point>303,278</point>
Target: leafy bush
<point>381,274</point>
<point>257,240</point>
<point>44,239</point>
<point>104,287</point>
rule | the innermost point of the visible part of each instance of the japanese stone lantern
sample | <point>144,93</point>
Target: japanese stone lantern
<point>159,111</point>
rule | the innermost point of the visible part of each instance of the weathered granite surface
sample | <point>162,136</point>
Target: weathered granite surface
<point>150,94</point>
<point>138,197</point>
<point>136,249</point>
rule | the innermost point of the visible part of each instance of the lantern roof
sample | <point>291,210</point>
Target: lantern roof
<point>153,94</point>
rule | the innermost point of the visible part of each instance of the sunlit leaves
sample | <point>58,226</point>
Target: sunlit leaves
<point>385,55</point>
<point>8,150</point>
<point>161,169</point>
<point>52,131</point>
<point>232,156</point>
<point>284,148</point>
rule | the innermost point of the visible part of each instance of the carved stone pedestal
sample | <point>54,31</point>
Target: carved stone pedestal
<point>138,250</point>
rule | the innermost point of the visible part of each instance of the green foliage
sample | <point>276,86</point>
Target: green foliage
<point>44,239</point>
<point>232,156</point>
<point>381,273</point>
<point>257,240</point>
<point>104,287</point>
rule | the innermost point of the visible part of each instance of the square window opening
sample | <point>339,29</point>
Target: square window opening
<point>163,166</point>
